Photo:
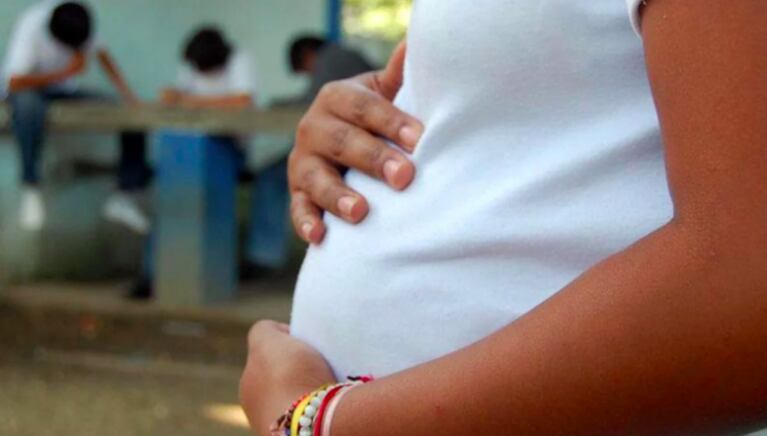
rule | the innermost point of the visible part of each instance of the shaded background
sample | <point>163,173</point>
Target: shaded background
<point>77,358</point>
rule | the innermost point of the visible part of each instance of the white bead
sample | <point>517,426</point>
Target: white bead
<point>322,394</point>
<point>316,402</point>
<point>305,432</point>
<point>305,421</point>
<point>310,411</point>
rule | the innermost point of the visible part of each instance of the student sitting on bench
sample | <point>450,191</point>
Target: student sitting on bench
<point>215,75</point>
<point>51,45</point>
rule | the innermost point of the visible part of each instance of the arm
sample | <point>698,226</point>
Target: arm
<point>667,337</point>
<point>175,97</point>
<point>23,82</point>
<point>116,77</point>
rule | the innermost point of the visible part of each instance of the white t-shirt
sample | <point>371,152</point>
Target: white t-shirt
<point>237,77</point>
<point>541,157</point>
<point>33,50</point>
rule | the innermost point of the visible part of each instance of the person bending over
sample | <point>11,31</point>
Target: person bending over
<point>216,75</point>
<point>324,62</point>
<point>581,252</point>
<point>213,74</point>
<point>51,46</point>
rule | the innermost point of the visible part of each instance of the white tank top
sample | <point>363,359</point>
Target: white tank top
<point>541,157</point>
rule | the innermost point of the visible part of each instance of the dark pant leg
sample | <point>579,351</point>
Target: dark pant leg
<point>28,123</point>
<point>133,172</point>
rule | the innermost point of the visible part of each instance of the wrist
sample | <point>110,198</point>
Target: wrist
<point>278,402</point>
<point>311,413</point>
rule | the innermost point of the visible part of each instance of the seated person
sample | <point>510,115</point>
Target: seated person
<point>50,47</point>
<point>323,61</point>
<point>213,74</point>
<point>216,75</point>
<point>582,250</point>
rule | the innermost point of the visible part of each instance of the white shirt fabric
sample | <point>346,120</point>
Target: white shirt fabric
<point>33,50</point>
<point>541,157</point>
<point>237,77</point>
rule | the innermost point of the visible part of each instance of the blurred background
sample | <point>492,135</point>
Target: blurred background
<point>127,314</point>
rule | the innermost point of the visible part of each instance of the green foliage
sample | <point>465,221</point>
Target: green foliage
<point>387,19</point>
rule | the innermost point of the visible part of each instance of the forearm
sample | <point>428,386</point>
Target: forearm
<point>37,81</point>
<point>115,76</point>
<point>666,337</point>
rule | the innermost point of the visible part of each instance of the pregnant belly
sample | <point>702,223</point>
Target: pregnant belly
<point>395,291</point>
<point>372,315</point>
<point>457,256</point>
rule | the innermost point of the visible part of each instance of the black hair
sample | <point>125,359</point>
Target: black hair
<point>71,24</point>
<point>207,49</point>
<point>300,47</point>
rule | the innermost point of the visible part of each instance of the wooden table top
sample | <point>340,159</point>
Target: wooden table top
<point>105,117</point>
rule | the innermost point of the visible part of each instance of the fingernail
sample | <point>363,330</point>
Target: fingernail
<point>346,205</point>
<point>409,136</point>
<point>390,169</point>
<point>306,229</point>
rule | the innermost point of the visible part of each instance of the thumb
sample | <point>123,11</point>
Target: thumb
<point>390,79</point>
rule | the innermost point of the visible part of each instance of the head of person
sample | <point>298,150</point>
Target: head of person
<point>303,53</point>
<point>207,50</point>
<point>71,24</point>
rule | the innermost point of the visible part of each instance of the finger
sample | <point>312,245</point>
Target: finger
<point>389,81</point>
<point>353,147</point>
<point>326,189</point>
<point>306,218</point>
<point>369,110</point>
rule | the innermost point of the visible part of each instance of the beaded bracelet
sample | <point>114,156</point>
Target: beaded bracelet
<point>317,424</point>
<point>306,416</point>
<point>303,420</point>
<point>281,427</point>
<point>295,424</point>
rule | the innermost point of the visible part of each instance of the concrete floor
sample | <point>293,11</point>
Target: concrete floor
<point>271,298</point>
<point>72,395</point>
<point>78,359</point>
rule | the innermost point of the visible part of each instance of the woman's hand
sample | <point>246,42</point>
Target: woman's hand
<point>346,127</point>
<point>280,369</point>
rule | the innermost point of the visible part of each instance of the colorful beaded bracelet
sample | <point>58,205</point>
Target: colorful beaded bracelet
<point>306,416</point>
<point>303,420</point>
<point>281,427</point>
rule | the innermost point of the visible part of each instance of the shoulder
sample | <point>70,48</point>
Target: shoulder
<point>333,53</point>
<point>34,18</point>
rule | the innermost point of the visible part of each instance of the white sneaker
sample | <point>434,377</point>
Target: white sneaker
<point>31,210</point>
<point>123,209</point>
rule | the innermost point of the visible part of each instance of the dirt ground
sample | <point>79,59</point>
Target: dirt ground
<point>70,396</point>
